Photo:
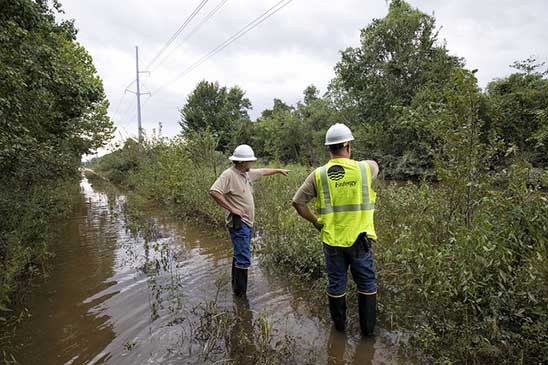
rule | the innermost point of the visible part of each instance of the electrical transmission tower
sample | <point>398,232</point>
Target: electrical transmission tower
<point>138,93</point>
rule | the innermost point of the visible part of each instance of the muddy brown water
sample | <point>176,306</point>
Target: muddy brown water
<point>113,297</point>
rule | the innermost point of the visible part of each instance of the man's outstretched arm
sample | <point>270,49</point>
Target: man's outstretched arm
<point>268,171</point>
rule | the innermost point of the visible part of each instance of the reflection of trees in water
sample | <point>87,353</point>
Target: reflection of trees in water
<point>336,347</point>
<point>210,331</point>
<point>362,352</point>
<point>241,346</point>
<point>65,322</point>
<point>210,334</point>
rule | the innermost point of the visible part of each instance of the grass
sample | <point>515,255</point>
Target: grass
<point>467,291</point>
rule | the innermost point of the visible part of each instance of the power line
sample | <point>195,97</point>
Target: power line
<point>118,106</point>
<point>192,32</point>
<point>166,46</point>
<point>114,115</point>
<point>251,25</point>
<point>177,33</point>
<point>125,114</point>
<point>168,43</point>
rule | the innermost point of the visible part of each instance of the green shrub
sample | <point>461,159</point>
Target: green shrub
<point>466,290</point>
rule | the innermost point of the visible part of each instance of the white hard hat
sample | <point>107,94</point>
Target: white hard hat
<point>243,153</point>
<point>338,133</point>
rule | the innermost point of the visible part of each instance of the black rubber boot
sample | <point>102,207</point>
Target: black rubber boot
<point>368,313</point>
<point>337,307</point>
<point>240,282</point>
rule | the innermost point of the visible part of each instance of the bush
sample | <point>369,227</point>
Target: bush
<point>467,290</point>
<point>25,229</point>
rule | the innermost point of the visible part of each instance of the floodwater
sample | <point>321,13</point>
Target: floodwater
<point>161,295</point>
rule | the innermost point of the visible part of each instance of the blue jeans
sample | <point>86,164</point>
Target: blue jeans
<point>360,260</point>
<point>241,242</point>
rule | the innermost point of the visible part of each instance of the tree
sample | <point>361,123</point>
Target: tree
<point>518,109</point>
<point>278,107</point>
<point>399,55</point>
<point>217,108</point>
<point>317,114</point>
<point>462,152</point>
<point>52,105</point>
<point>294,133</point>
<point>53,109</point>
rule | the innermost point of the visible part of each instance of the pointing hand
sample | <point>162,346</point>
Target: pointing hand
<point>283,172</point>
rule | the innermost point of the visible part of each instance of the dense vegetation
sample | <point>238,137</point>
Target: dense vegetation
<point>389,91</point>
<point>468,286</point>
<point>462,253</point>
<point>52,110</point>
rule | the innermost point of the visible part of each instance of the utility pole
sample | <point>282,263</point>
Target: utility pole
<point>138,93</point>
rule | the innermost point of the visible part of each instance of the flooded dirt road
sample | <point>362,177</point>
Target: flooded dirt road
<point>148,289</point>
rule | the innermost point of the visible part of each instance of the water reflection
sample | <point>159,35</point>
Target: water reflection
<point>336,347</point>
<point>132,285</point>
<point>62,318</point>
<point>241,333</point>
<point>365,351</point>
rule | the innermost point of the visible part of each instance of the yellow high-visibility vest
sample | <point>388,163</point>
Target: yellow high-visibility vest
<point>345,201</point>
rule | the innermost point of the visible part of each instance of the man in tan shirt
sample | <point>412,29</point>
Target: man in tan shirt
<point>233,190</point>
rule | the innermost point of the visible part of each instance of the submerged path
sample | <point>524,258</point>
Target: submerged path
<point>116,295</point>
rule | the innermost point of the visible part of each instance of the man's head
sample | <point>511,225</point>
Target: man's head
<point>243,157</point>
<point>337,139</point>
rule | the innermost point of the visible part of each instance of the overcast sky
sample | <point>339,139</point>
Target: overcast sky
<point>296,47</point>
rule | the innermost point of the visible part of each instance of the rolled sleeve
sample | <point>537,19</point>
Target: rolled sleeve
<point>255,174</point>
<point>307,191</point>
<point>374,168</point>
<point>222,184</point>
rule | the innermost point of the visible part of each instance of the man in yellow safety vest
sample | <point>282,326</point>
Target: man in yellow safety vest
<point>345,202</point>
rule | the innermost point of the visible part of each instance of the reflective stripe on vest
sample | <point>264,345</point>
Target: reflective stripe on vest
<point>329,208</point>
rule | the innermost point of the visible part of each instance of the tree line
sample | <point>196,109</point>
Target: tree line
<point>389,91</point>
<point>462,262</point>
<point>53,109</point>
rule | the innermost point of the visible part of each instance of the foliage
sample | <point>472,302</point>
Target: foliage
<point>200,147</point>
<point>294,133</point>
<point>399,56</point>
<point>462,152</point>
<point>52,110</point>
<point>468,294</point>
<point>215,107</point>
<point>518,109</point>
<point>466,284</point>
<point>116,165</point>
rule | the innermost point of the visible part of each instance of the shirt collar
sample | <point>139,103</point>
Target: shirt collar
<point>339,159</point>
<point>240,172</point>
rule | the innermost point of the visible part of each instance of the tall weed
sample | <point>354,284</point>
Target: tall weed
<point>467,290</point>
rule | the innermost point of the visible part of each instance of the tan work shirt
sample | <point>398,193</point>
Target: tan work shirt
<point>237,188</point>
<point>307,191</point>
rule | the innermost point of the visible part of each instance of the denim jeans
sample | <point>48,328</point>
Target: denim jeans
<point>360,260</point>
<point>241,241</point>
